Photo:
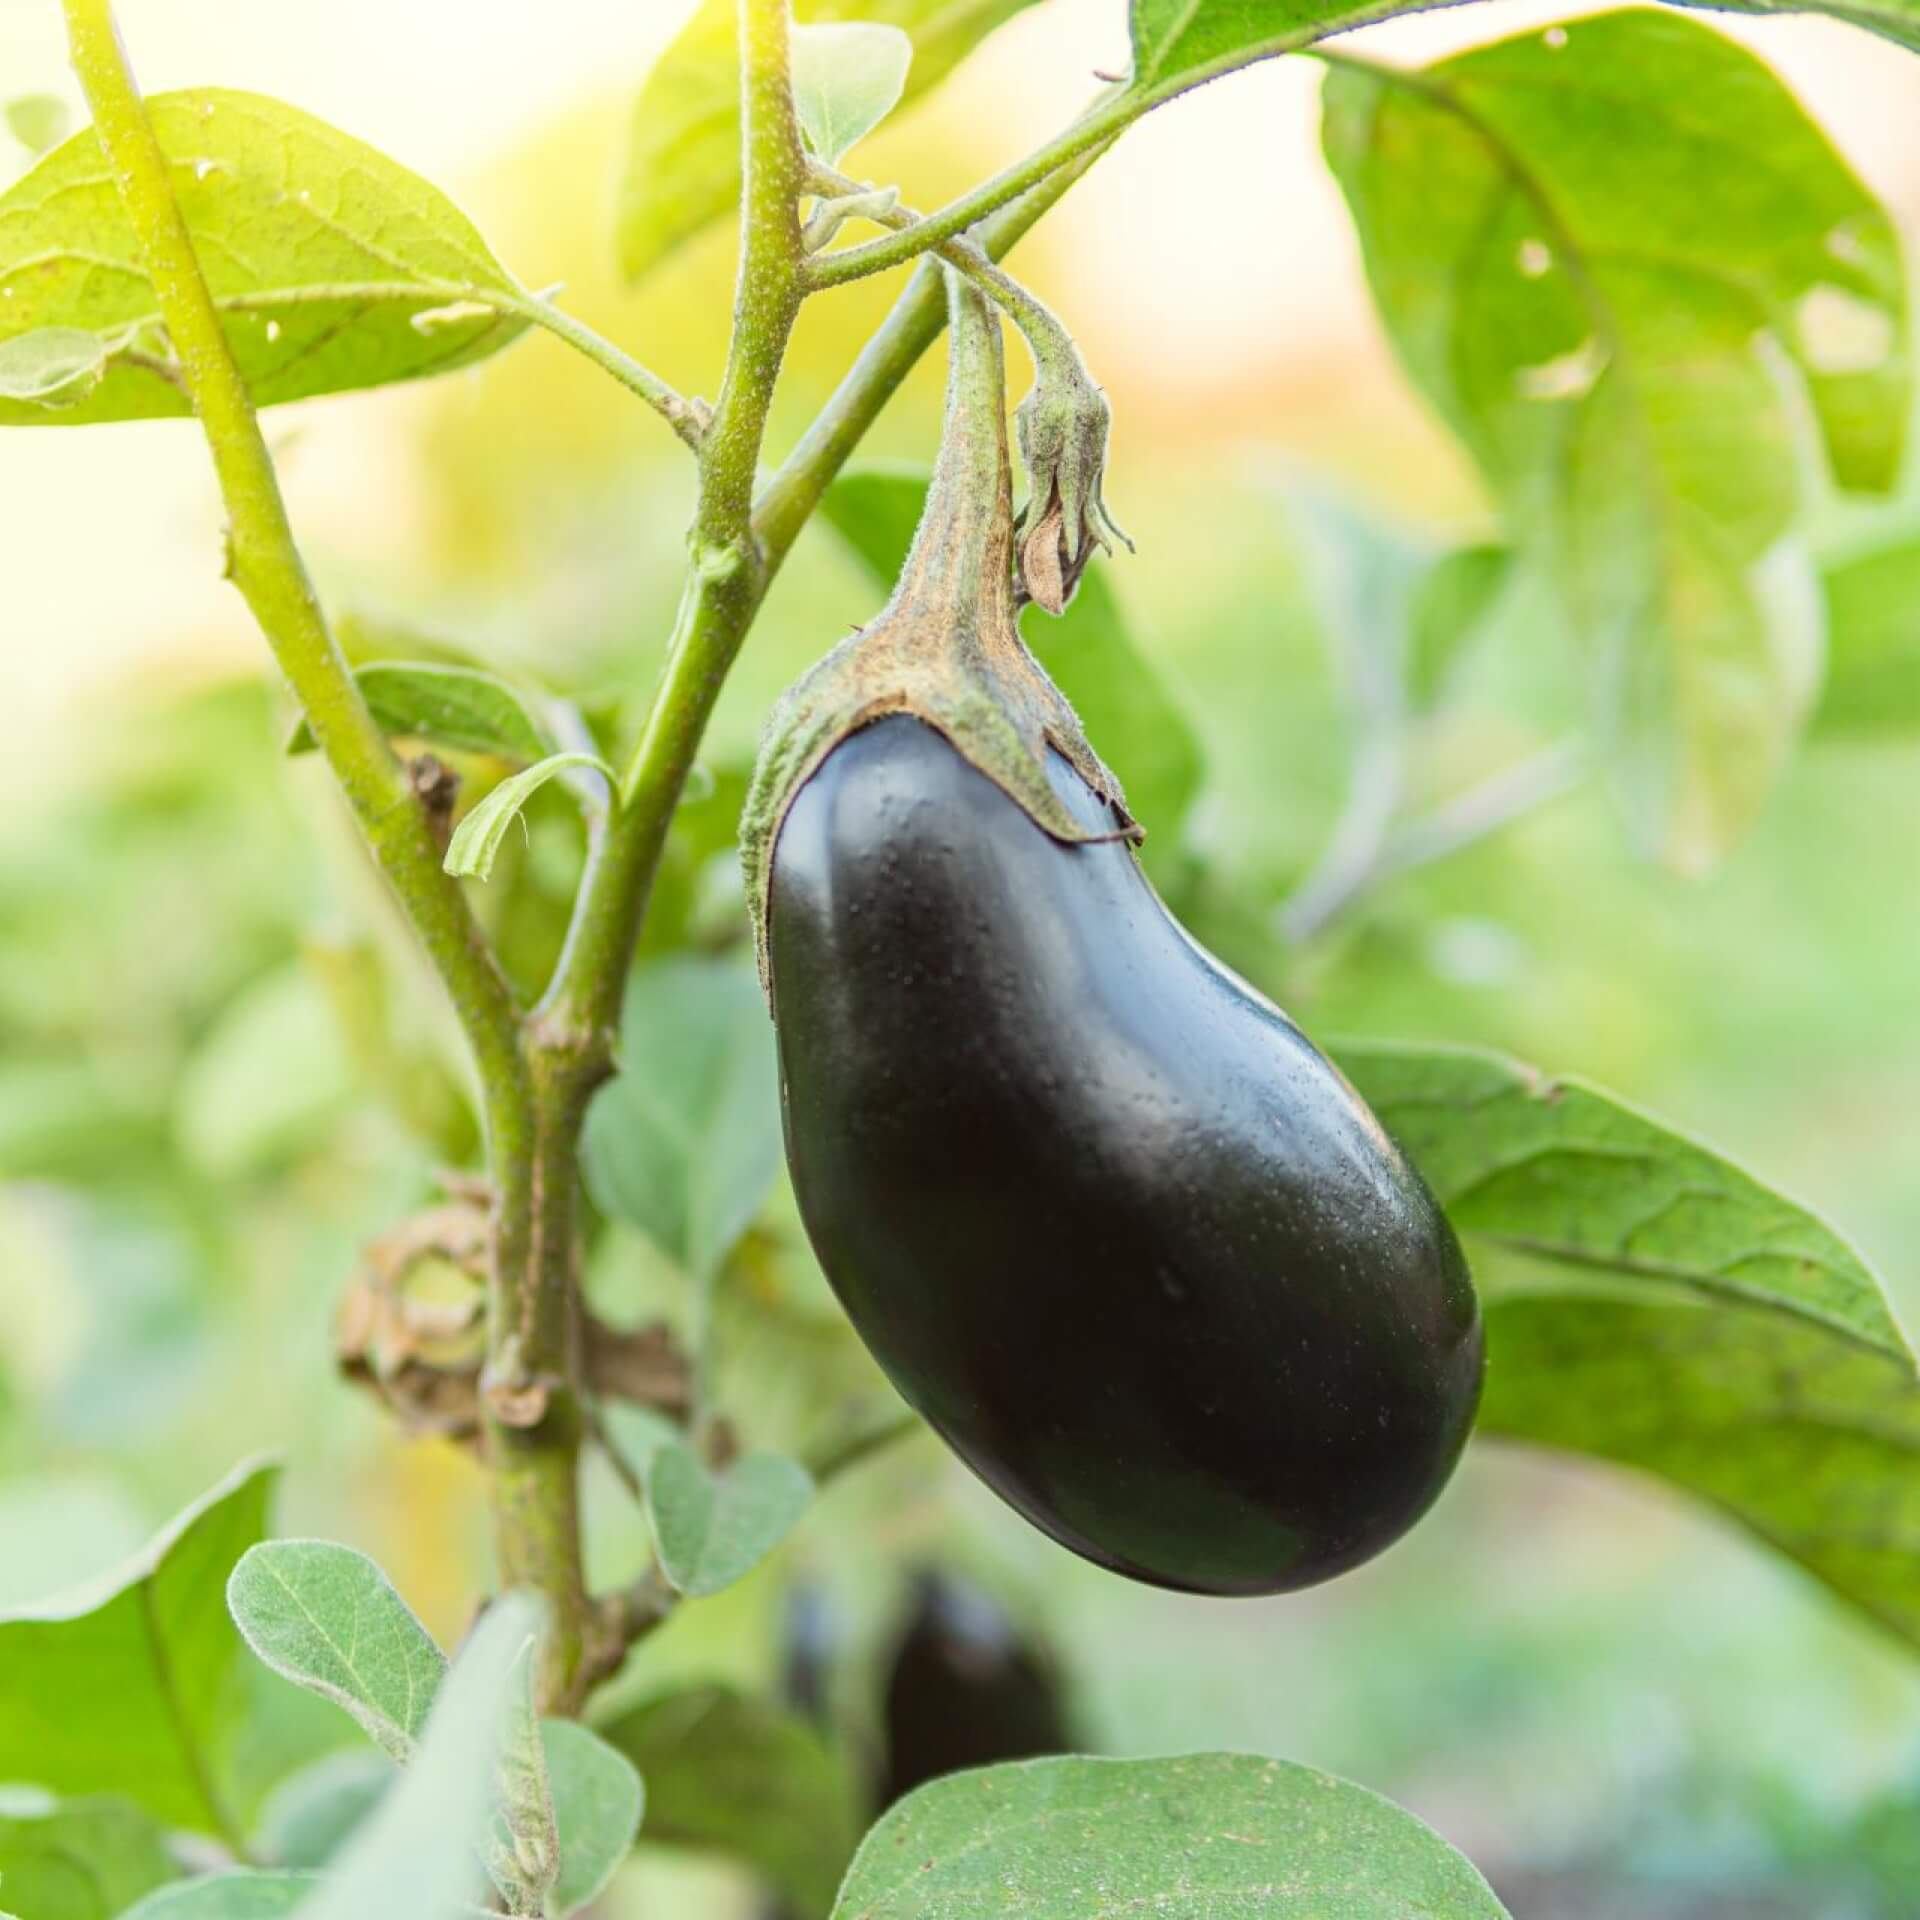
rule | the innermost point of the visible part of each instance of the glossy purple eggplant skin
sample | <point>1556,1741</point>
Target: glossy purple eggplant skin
<point>1106,1217</point>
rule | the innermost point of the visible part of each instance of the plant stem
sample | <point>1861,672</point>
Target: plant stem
<point>532,1421</point>
<point>1093,132</point>
<point>889,356</point>
<point>684,416</point>
<point>728,575</point>
<point>1047,338</point>
<point>265,564</point>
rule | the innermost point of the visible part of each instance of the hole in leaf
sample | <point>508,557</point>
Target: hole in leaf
<point>1841,333</point>
<point>1570,377</point>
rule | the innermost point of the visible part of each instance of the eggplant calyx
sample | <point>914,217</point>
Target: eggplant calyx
<point>945,648</point>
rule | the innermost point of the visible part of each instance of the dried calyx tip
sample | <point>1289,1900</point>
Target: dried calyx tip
<point>1064,423</point>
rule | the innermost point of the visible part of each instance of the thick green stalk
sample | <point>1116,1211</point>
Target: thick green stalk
<point>265,564</point>
<point>728,576</point>
<point>533,1423</point>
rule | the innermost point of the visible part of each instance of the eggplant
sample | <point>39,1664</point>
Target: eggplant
<point>1107,1218</point>
<point>1104,1215</point>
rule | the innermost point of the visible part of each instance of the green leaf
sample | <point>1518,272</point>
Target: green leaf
<point>37,120</point>
<point>311,1816</point>
<point>449,706</point>
<point>712,1529</point>
<point>81,1859</point>
<point>744,1777</point>
<point>333,267</point>
<point>51,366</point>
<point>1589,247</point>
<point>1663,1309</point>
<point>478,838</point>
<point>686,1145</point>
<point>1451,605</point>
<point>1228,1835</point>
<point>522,1849</point>
<point>847,77</point>
<point>230,1896</point>
<point>1873,645</point>
<point>682,163</point>
<point>266,1081</point>
<point>1178,44</point>
<point>327,1618</point>
<point>597,1799</point>
<point>133,1688</point>
<point>1133,720</point>
<point>418,1854</point>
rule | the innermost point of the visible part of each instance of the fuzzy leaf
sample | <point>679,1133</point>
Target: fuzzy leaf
<point>230,1896</point>
<point>1228,1835</point>
<point>1590,247</point>
<point>682,164</point>
<point>447,706</point>
<point>333,266</point>
<point>1655,1306</point>
<point>597,1802</point>
<point>327,1618</point>
<point>419,1853</point>
<point>847,77</point>
<point>715,1528</point>
<point>477,840</point>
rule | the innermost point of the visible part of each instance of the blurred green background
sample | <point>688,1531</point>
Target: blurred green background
<point>221,1072</point>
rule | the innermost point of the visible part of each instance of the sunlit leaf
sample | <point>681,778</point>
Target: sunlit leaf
<point>51,366</point>
<point>713,1528</point>
<point>1655,1306</point>
<point>682,164</point>
<point>1225,1834</point>
<point>687,1145</point>
<point>333,266</point>
<point>446,706</point>
<point>1872,687</point>
<point>847,77</point>
<point>1591,247</point>
<point>37,120</point>
<point>1179,44</point>
<point>477,841</point>
<point>745,1778</point>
